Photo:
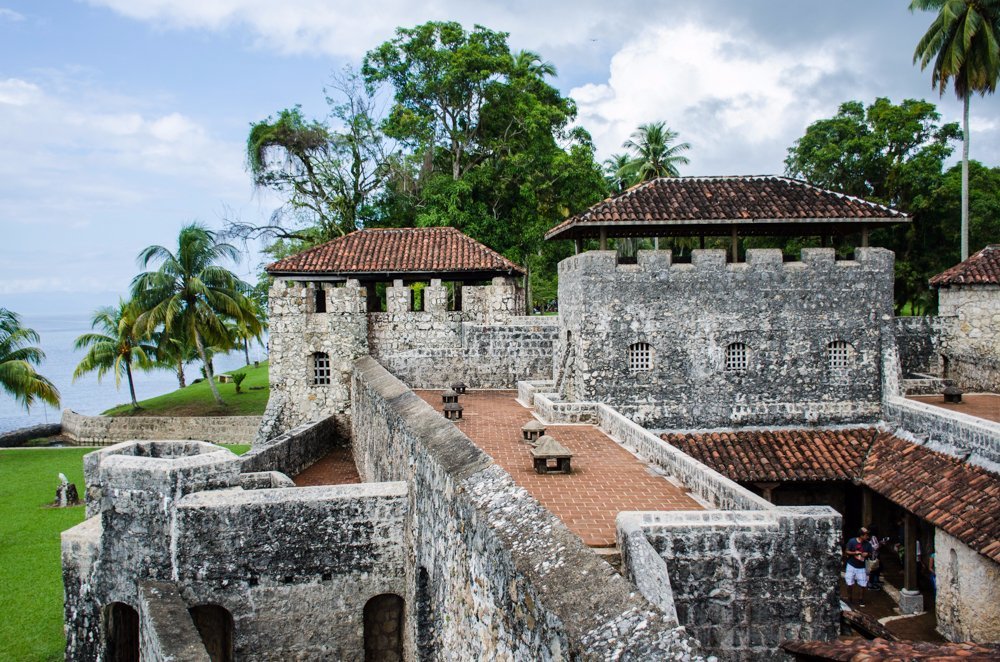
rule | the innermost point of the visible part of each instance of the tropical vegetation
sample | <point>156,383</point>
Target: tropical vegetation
<point>18,359</point>
<point>962,42</point>
<point>114,346</point>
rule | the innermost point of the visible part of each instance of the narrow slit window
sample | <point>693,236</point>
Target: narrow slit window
<point>640,357</point>
<point>320,298</point>
<point>737,357</point>
<point>838,355</point>
<point>321,368</point>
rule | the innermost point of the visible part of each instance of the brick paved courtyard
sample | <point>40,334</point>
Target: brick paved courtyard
<point>606,478</point>
<point>982,405</point>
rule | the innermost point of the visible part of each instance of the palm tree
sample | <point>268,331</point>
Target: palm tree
<point>616,172</point>
<point>17,360</point>
<point>114,346</point>
<point>963,43</point>
<point>191,295</point>
<point>532,63</point>
<point>653,152</point>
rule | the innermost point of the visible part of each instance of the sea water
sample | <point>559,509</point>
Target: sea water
<point>86,395</point>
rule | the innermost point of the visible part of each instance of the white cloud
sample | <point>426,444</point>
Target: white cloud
<point>10,15</point>
<point>721,95</point>
<point>16,92</point>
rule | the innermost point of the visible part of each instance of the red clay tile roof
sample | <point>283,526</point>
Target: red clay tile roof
<point>983,268</point>
<point>758,204</point>
<point>780,455</point>
<point>398,251</point>
<point>862,650</point>
<point>961,499</point>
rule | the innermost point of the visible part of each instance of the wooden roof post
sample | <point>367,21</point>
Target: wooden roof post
<point>578,246</point>
<point>604,239</point>
<point>735,245</point>
<point>864,236</point>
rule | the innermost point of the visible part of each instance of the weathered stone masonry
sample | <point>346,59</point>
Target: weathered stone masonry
<point>785,314</point>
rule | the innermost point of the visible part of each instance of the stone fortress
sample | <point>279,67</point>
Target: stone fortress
<point>761,400</point>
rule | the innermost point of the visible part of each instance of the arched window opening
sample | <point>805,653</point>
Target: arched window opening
<point>383,619</point>
<point>321,368</point>
<point>737,357</point>
<point>121,632</point>
<point>838,355</point>
<point>640,357</point>
<point>215,625</point>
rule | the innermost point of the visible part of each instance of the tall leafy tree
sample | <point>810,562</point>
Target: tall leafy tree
<point>18,358</point>
<point>114,346</point>
<point>892,154</point>
<point>191,295</point>
<point>963,42</point>
<point>654,153</point>
<point>327,170</point>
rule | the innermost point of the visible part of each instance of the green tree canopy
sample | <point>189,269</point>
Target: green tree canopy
<point>892,154</point>
<point>191,295</point>
<point>963,43</point>
<point>654,153</point>
<point>114,346</point>
<point>18,358</point>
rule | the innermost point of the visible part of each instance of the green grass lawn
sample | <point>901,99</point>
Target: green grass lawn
<point>31,594</point>
<point>31,598</point>
<point>197,400</point>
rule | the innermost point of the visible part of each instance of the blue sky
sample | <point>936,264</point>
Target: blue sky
<point>122,120</point>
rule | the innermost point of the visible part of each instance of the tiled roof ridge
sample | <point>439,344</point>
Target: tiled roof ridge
<point>980,268</point>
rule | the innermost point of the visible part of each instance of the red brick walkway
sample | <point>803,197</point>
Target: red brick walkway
<point>982,405</point>
<point>335,468</point>
<point>606,478</point>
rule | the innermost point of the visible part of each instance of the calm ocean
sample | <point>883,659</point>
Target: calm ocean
<point>86,395</point>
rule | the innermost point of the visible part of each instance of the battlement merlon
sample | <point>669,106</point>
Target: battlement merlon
<point>872,259</point>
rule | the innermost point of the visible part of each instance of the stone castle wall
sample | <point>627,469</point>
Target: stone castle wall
<point>967,584</point>
<point>294,567</point>
<point>972,344</point>
<point>487,344</point>
<point>919,342</point>
<point>784,313</point>
<point>494,574</point>
<point>107,430</point>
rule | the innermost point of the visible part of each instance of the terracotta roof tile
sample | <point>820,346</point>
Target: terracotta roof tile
<point>780,455</point>
<point>960,498</point>
<point>862,650</point>
<point>398,251</point>
<point>983,268</point>
<point>725,200</point>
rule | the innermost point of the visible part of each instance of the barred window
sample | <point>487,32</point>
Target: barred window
<point>640,356</point>
<point>737,357</point>
<point>321,368</point>
<point>838,355</point>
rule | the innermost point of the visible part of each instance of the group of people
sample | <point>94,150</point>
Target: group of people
<point>863,569</point>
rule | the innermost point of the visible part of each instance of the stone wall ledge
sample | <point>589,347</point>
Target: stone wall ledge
<point>167,632</point>
<point>107,430</point>
<point>951,428</point>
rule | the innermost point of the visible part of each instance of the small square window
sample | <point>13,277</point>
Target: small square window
<point>737,357</point>
<point>640,357</point>
<point>321,368</point>
<point>838,355</point>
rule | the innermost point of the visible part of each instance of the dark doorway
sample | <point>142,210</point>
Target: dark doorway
<point>121,633</point>
<point>384,628</point>
<point>215,625</point>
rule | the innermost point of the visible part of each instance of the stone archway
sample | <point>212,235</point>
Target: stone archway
<point>215,625</point>
<point>383,620</point>
<point>121,632</point>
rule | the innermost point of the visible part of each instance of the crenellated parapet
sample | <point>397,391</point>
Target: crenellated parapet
<point>711,343</point>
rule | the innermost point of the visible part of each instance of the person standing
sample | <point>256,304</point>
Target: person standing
<point>856,553</point>
<point>873,566</point>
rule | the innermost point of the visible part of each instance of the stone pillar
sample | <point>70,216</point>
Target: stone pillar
<point>910,600</point>
<point>397,297</point>
<point>767,490</point>
<point>435,297</point>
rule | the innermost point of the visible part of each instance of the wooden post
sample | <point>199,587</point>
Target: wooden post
<point>866,506</point>
<point>578,246</point>
<point>735,246</point>
<point>656,243</point>
<point>701,241</point>
<point>604,239</point>
<point>864,235</point>
<point>910,552</point>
